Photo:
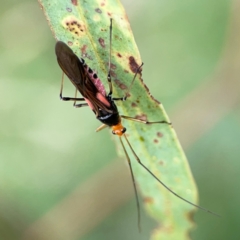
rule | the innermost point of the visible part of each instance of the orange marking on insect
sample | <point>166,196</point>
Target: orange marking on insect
<point>118,129</point>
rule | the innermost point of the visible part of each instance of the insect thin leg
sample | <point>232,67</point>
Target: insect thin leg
<point>163,184</point>
<point>68,98</point>
<point>134,184</point>
<point>143,121</point>
<point>75,99</point>
<point>78,105</point>
<point>74,103</point>
<point>109,62</point>
<point>71,99</point>
<point>81,105</point>
<point>119,99</point>
<point>101,127</point>
<point>61,88</point>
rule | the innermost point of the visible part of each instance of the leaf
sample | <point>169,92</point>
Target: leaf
<point>84,26</point>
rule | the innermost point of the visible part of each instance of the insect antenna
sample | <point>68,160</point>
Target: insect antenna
<point>109,61</point>
<point>134,184</point>
<point>163,184</point>
<point>103,126</point>
<point>109,70</point>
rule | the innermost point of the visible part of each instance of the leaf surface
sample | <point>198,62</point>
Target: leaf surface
<point>84,26</point>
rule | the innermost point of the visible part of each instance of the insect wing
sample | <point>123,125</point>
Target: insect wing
<point>74,69</point>
<point>70,64</point>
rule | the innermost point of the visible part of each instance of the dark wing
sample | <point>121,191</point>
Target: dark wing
<point>70,63</point>
<point>74,69</point>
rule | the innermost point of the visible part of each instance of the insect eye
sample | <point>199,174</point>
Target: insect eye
<point>124,130</point>
<point>113,132</point>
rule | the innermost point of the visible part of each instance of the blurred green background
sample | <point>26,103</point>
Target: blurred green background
<point>52,163</point>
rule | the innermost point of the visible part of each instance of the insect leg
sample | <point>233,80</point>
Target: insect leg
<point>101,127</point>
<point>119,99</point>
<point>134,183</point>
<point>78,105</point>
<point>143,121</point>
<point>163,184</point>
<point>69,98</point>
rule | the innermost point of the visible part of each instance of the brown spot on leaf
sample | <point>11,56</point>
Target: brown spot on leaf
<point>70,43</point>
<point>98,10</point>
<point>113,66</point>
<point>117,37</point>
<point>161,162</point>
<point>141,117</point>
<point>190,216</point>
<point>83,49</point>
<point>120,84</point>
<point>101,41</point>
<point>113,74</point>
<point>133,104</point>
<point>109,14</point>
<point>73,25</point>
<point>155,141</point>
<point>74,2</point>
<point>133,64</point>
<point>159,134</point>
<point>84,52</point>
<point>119,55</point>
<point>148,200</point>
<point>141,139</point>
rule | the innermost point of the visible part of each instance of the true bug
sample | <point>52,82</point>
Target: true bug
<point>94,95</point>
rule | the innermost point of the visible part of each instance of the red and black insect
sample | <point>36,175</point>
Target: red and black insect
<point>103,105</point>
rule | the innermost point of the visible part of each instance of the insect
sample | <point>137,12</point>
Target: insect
<point>103,105</point>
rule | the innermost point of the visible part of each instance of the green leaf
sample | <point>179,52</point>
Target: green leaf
<point>84,26</point>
